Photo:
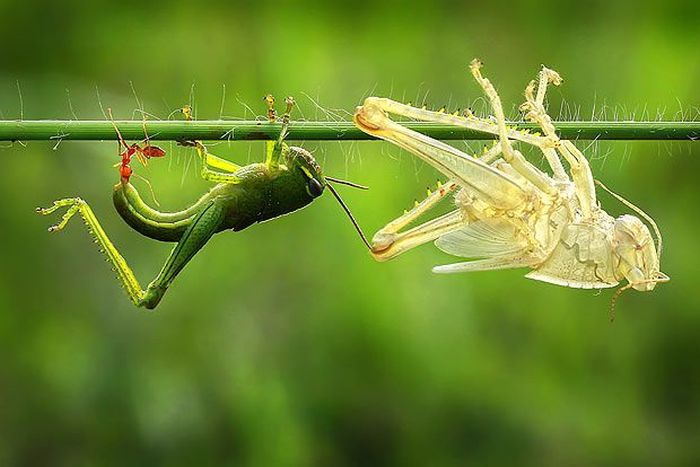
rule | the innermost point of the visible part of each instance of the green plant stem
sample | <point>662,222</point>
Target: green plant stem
<point>209,130</point>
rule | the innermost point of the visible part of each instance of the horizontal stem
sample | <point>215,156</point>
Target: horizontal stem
<point>210,130</point>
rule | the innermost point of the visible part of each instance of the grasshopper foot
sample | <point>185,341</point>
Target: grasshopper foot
<point>73,204</point>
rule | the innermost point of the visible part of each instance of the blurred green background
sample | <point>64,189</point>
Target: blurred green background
<point>286,344</point>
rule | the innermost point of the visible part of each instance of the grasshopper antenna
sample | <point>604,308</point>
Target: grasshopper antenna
<point>347,210</point>
<point>340,181</point>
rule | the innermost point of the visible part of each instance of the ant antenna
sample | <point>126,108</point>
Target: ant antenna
<point>150,188</point>
<point>352,219</point>
<point>119,134</point>
<point>638,211</point>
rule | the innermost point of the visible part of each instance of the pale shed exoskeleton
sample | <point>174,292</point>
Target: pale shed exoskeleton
<point>509,213</point>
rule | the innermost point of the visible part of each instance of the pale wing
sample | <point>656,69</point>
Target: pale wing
<point>486,264</point>
<point>582,259</point>
<point>499,189</point>
<point>483,239</point>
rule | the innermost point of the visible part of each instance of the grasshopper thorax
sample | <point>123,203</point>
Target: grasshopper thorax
<point>637,254</point>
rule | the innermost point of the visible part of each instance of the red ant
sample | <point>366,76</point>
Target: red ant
<point>142,153</point>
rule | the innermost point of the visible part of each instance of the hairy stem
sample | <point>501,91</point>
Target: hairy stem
<point>210,130</point>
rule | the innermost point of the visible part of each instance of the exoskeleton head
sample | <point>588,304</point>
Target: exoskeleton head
<point>637,254</point>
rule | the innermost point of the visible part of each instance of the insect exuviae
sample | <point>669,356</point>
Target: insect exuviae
<point>509,213</point>
<point>286,181</point>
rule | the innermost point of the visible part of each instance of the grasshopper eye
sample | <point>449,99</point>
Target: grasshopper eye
<point>315,188</point>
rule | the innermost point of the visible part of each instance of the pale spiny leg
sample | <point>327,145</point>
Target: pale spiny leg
<point>423,233</point>
<point>512,156</point>
<point>124,272</point>
<point>547,76</point>
<point>470,121</point>
<point>580,169</point>
<point>390,241</point>
<point>499,189</point>
<point>488,264</point>
<point>491,154</point>
<point>582,175</point>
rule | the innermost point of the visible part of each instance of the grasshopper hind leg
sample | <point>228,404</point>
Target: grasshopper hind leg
<point>78,206</point>
<point>205,224</point>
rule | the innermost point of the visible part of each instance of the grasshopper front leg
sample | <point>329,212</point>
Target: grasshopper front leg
<point>200,230</point>
<point>218,170</point>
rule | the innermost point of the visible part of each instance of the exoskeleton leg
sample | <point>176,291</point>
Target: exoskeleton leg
<point>580,169</point>
<point>390,241</point>
<point>497,188</point>
<point>512,156</point>
<point>200,230</point>
<point>469,121</point>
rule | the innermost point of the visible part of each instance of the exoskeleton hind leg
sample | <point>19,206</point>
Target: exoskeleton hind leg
<point>390,241</point>
<point>497,188</point>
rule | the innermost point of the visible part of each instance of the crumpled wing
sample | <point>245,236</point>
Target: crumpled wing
<point>483,239</point>
<point>582,259</point>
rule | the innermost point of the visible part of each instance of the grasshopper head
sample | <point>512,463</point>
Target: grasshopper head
<point>638,256</point>
<point>299,159</point>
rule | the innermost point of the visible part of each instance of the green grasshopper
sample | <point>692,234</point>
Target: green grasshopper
<point>288,180</point>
